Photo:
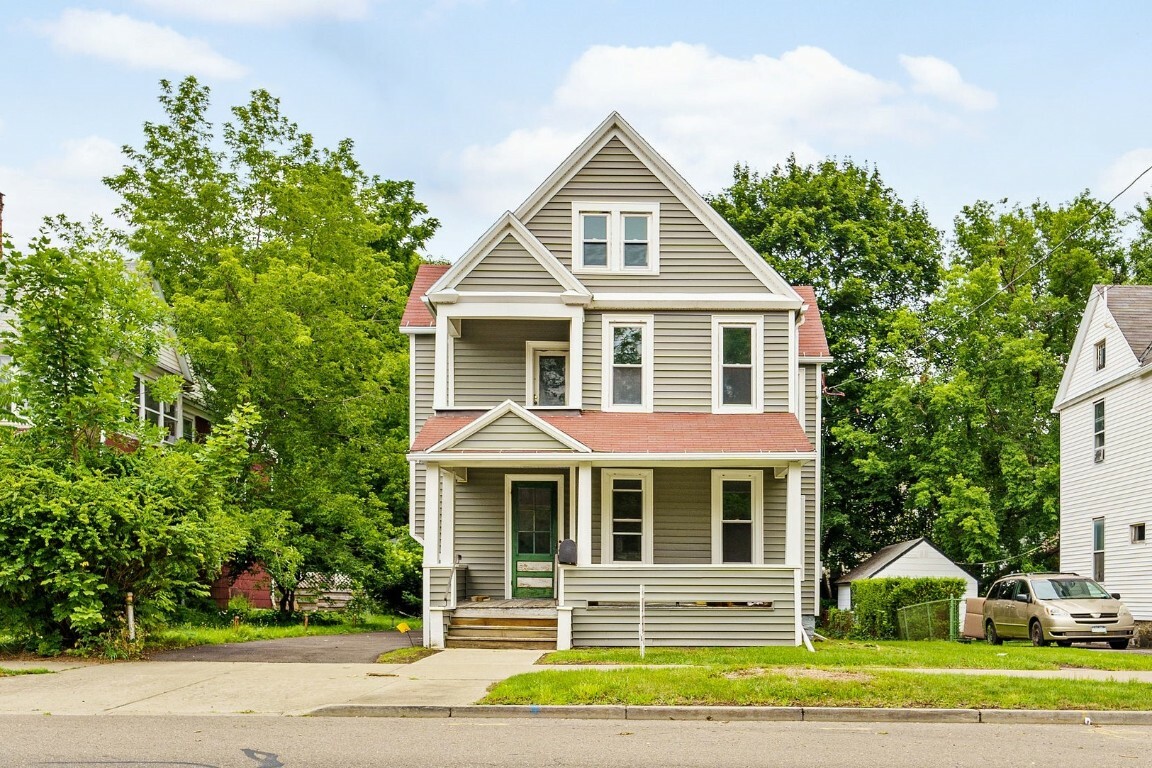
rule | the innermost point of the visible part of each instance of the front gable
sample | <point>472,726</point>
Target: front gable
<point>698,251</point>
<point>509,428</point>
<point>1097,325</point>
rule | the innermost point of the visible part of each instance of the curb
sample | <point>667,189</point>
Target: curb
<point>753,714</point>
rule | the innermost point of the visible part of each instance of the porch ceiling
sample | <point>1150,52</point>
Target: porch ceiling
<point>625,433</point>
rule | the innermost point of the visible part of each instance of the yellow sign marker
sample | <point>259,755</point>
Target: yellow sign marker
<point>402,627</point>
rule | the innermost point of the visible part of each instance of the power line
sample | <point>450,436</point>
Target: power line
<point>1011,283</point>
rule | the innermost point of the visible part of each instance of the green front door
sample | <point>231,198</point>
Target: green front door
<point>533,538</point>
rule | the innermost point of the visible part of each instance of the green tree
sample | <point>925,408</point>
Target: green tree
<point>837,227</point>
<point>964,406</point>
<point>288,268</point>
<point>83,523</point>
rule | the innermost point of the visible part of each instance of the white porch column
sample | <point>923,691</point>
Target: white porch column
<point>448,518</point>
<point>794,543</point>
<point>576,361</point>
<point>432,515</point>
<point>584,514</point>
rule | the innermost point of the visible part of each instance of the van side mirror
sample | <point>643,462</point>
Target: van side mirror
<point>1115,595</point>
<point>1025,598</point>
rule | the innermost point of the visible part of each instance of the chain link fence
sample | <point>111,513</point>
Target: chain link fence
<point>935,620</point>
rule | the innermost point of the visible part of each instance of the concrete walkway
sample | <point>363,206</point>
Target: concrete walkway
<point>443,685</point>
<point>449,678</point>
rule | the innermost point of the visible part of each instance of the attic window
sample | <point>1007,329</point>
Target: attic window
<point>616,237</point>
<point>1101,354</point>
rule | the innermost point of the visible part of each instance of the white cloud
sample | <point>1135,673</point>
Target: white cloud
<point>936,77</point>
<point>262,11</point>
<point>137,44</point>
<point>704,112</point>
<point>1120,174</point>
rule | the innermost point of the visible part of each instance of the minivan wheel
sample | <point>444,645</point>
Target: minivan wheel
<point>1036,632</point>
<point>990,633</point>
<point>1118,645</point>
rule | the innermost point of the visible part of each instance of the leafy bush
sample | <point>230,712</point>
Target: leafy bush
<point>837,623</point>
<point>875,601</point>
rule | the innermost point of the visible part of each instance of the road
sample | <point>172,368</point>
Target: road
<point>289,742</point>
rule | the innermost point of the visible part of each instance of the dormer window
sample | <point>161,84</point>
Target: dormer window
<point>616,237</point>
<point>1101,354</point>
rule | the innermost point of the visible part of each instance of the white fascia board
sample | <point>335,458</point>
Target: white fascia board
<point>740,301</point>
<point>1094,300</point>
<point>614,126</point>
<point>505,408</point>
<point>1095,392</point>
<point>415,330</point>
<point>511,310</point>
<point>750,459</point>
<point>807,360</point>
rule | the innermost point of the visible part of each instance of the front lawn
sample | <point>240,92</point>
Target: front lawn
<point>805,687</point>
<point>923,654</point>
<point>211,633</point>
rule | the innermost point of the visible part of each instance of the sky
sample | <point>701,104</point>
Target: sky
<point>477,101</point>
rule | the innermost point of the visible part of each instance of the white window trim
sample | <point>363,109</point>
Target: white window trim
<point>532,350</point>
<point>615,211</point>
<point>647,361</point>
<point>142,415</point>
<point>757,324</point>
<point>606,478</point>
<point>1142,528</point>
<point>757,479</point>
<point>1099,451</point>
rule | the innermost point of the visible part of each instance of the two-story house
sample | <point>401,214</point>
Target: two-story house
<point>612,367</point>
<point>1105,407</point>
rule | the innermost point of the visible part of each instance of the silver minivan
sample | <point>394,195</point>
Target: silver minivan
<point>1063,608</point>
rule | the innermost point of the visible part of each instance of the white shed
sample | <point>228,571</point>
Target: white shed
<point>913,558</point>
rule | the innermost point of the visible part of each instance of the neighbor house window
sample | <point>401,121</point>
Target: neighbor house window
<point>547,367</point>
<point>1101,354</point>
<point>627,364</point>
<point>1098,549</point>
<point>615,237</point>
<point>626,531</point>
<point>149,410</point>
<point>737,364</point>
<point>1098,430</point>
<point>737,516</point>
<point>1137,533</point>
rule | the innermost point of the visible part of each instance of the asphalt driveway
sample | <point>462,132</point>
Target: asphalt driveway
<point>361,648</point>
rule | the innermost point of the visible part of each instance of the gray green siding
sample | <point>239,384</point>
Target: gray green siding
<point>510,433</point>
<point>423,362</point>
<point>490,359</point>
<point>682,516</point>
<point>776,369</point>
<point>692,259</point>
<point>775,517</point>
<point>617,623</point>
<point>682,354</point>
<point>509,267</point>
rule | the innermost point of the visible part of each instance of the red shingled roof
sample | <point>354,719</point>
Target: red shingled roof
<point>416,314</point>
<point>813,342</point>
<point>653,432</point>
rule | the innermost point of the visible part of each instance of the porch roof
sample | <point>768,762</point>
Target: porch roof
<point>687,433</point>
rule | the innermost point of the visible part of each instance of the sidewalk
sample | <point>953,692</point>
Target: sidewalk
<point>443,685</point>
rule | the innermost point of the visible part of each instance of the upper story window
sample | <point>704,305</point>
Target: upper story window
<point>627,364</point>
<point>1098,430</point>
<point>1101,354</point>
<point>150,410</point>
<point>548,377</point>
<point>737,364</point>
<point>616,237</point>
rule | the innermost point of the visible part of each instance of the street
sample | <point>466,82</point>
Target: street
<point>291,742</point>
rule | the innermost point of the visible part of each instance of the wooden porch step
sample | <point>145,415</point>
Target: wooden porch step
<point>528,644</point>
<point>502,633</point>
<point>502,621</point>
<point>466,611</point>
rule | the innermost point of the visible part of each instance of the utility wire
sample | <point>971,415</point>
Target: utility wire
<point>1043,545</point>
<point>836,389</point>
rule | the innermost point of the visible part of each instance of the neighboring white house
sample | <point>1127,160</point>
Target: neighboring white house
<point>1105,407</point>
<point>913,558</point>
<point>612,367</point>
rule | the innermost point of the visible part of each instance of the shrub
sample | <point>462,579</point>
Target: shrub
<point>837,623</point>
<point>875,601</point>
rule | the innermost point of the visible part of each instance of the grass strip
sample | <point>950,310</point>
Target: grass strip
<point>922,654</point>
<point>815,688</point>
<point>187,635</point>
<point>406,655</point>
<point>5,672</point>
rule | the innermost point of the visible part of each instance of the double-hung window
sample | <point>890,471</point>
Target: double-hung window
<point>149,410</point>
<point>627,364</point>
<point>1101,354</point>
<point>547,374</point>
<point>626,530</point>
<point>616,237</point>
<point>1098,549</point>
<point>1098,430</point>
<point>737,516</point>
<point>738,364</point>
